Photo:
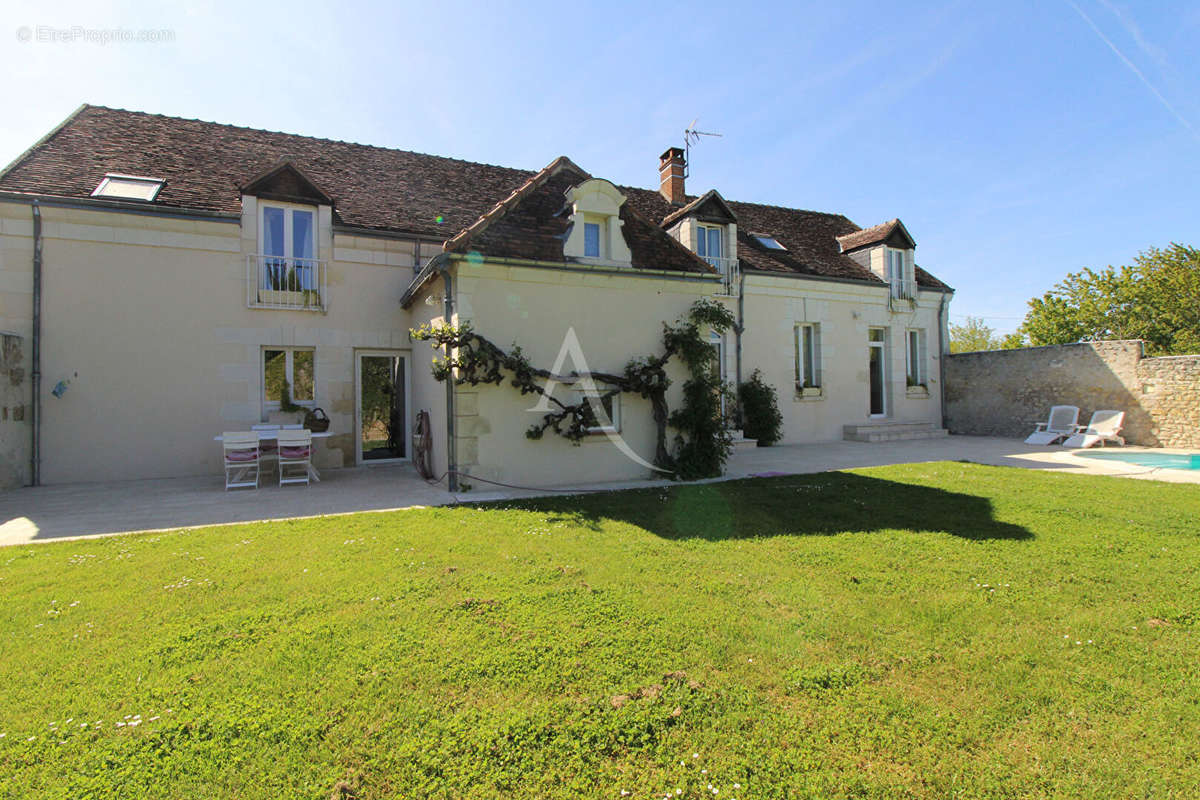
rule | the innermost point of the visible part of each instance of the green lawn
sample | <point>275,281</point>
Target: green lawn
<point>933,630</point>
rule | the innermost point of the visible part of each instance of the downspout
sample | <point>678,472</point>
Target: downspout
<point>451,450</point>
<point>737,339</point>
<point>942,358</point>
<point>35,457</point>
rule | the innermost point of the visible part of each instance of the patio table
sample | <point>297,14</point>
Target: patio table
<point>271,435</point>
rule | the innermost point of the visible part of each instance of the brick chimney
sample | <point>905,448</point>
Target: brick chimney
<point>670,176</point>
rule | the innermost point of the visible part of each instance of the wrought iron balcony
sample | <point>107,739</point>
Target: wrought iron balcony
<point>296,284</point>
<point>731,274</point>
<point>904,289</point>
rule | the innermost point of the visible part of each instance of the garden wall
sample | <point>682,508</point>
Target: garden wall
<point>1004,392</point>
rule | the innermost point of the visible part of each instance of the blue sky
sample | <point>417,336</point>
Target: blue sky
<point>1018,141</point>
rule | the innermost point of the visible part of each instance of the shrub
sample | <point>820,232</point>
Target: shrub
<point>760,410</point>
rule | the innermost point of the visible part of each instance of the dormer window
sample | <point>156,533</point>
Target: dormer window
<point>288,233</point>
<point>591,239</point>
<point>709,245</point>
<point>900,270</point>
<point>596,232</point>
<point>129,187</point>
<point>288,267</point>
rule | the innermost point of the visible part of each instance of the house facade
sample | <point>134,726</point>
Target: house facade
<point>163,280</point>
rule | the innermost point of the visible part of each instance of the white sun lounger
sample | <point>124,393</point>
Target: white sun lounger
<point>1103,427</point>
<point>1062,423</point>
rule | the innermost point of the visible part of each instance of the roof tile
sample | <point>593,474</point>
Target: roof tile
<point>398,191</point>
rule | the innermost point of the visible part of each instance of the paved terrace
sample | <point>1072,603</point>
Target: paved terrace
<point>92,509</point>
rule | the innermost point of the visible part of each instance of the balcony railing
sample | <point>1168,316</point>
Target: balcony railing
<point>904,289</point>
<point>730,274</point>
<point>297,284</point>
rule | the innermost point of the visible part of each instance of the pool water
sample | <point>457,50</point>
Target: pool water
<point>1161,460</point>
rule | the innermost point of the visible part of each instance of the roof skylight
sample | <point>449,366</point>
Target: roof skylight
<point>768,241</point>
<point>128,187</point>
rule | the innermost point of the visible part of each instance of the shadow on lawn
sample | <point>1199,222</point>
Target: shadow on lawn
<point>820,504</point>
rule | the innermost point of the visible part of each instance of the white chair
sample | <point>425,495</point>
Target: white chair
<point>295,456</point>
<point>268,449</point>
<point>241,459</point>
<point>1105,426</point>
<point>1062,423</point>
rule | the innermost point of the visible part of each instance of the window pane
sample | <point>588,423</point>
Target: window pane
<point>302,234</point>
<point>714,243</point>
<point>809,357</point>
<point>799,355</point>
<point>302,375</point>
<point>605,417</point>
<point>875,335</point>
<point>591,239</point>
<point>272,233</point>
<point>701,241</point>
<point>274,363</point>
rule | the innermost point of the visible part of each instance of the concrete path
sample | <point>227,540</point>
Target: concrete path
<point>94,509</point>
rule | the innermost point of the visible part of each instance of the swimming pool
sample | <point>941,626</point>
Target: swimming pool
<point>1161,460</point>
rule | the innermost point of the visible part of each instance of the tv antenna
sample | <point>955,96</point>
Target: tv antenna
<point>692,136</point>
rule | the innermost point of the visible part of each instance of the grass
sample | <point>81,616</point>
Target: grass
<point>928,631</point>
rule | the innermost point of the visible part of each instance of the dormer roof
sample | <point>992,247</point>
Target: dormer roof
<point>891,233</point>
<point>286,181</point>
<point>708,207</point>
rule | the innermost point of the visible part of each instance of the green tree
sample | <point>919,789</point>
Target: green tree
<point>1157,298</point>
<point>972,335</point>
<point>1013,341</point>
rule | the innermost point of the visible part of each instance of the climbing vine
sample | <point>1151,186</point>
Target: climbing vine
<point>701,443</point>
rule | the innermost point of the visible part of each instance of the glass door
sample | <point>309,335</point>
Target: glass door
<point>877,372</point>
<point>717,342</point>
<point>382,412</point>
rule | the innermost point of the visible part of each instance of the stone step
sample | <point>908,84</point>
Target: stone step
<point>742,443</point>
<point>892,432</point>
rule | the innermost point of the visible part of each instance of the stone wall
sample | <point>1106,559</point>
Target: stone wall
<point>1005,392</point>
<point>1170,394</point>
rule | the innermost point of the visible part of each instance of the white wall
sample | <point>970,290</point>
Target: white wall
<point>615,317</point>
<point>844,311</point>
<point>147,318</point>
<point>16,317</point>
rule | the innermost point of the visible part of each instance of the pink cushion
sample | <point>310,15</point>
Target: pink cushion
<point>241,455</point>
<point>293,452</point>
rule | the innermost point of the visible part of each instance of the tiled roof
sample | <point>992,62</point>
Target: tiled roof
<point>811,238</point>
<point>204,163</point>
<point>532,223</point>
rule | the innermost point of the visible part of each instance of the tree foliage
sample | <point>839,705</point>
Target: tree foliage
<point>1157,298</point>
<point>972,335</point>
<point>760,408</point>
<point>702,442</point>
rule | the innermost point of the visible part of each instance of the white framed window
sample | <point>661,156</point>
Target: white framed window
<point>287,240</point>
<point>808,355</point>
<point>605,407</point>
<point>710,245</point>
<point>297,366</point>
<point>914,356</point>
<point>900,273</point>
<point>591,240</point>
